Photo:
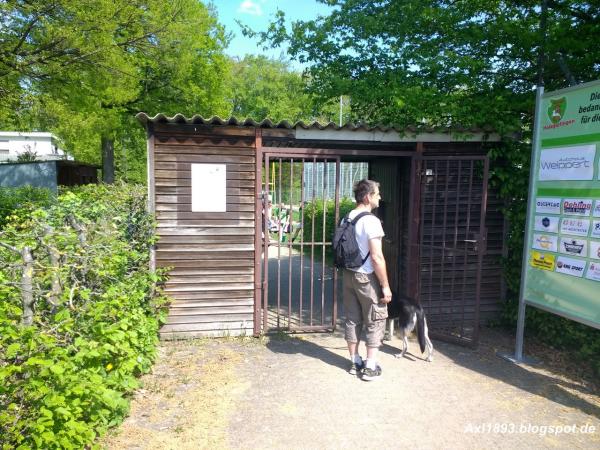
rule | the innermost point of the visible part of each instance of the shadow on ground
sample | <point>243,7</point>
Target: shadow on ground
<point>537,380</point>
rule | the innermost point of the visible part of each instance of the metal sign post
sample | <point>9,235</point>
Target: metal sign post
<point>518,356</point>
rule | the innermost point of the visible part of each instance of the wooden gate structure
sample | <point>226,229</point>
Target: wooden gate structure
<point>444,229</point>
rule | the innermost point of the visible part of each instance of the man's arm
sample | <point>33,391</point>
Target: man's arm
<point>380,268</point>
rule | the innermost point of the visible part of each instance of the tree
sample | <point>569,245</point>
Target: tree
<point>264,88</point>
<point>84,68</point>
<point>440,62</point>
<point>458,63</point>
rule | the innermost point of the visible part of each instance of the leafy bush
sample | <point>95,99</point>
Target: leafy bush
<point>22,201</point>
<point>68,360</point>
<point>319,208</point>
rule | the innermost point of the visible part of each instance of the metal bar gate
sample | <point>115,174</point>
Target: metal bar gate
<point>452,243</point>
<point>299,284</point>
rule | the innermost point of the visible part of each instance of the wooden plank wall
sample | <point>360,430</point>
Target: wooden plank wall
<point>211,255</point>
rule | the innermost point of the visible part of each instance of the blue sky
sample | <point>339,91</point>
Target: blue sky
<point>258,14</point>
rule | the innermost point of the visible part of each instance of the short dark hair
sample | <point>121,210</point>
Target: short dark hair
<point>363,188</point>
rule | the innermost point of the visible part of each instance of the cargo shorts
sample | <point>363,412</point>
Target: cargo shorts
<point>361,293</point>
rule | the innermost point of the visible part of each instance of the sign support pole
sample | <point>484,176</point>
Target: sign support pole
<point>518,356</point>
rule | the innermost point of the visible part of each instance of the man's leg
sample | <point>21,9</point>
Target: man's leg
<point>354,322</point>
<point>374,315</point>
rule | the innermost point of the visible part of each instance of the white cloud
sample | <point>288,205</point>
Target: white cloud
<point>250,7</point>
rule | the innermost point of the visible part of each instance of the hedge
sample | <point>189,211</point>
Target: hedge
<point>79,315</point>
<point>26,197</point>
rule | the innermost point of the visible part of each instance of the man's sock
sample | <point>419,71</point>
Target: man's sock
<point>371,364</point>
<point>356,359</point>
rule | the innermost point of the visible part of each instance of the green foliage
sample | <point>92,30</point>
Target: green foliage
<point>285,180</point>
<point>320,208</point>
<point>263,88</point>
<point>27,156</point>
<point>82,69</point>
<point>509,175</point>
<point>64,380</point>
<point>439,63</point>
<point>21,201</point>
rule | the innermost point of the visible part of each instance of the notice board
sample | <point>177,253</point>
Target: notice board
<point>209,188</point>
<point>562,273</point>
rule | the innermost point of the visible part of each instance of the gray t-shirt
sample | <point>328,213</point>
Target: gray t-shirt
<point>367,228</point>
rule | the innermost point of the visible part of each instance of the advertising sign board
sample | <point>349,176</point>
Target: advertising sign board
<point>562,248</point>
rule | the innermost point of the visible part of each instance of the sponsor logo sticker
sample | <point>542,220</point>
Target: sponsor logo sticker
<point>573,246</point>
<point>596,210</point>
<point>593,272</point>
<point>548,224</point>
<point>570,266</point>
<point>547,205</point>
<point>567,163</point>
<point>578,227</point>
<point>545,242</point>
<point>576,207</point>
<point>596,229</point>
<point>542,261</point>
<point>595,249</point>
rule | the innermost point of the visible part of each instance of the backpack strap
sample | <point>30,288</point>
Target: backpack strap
<point>356,219</point>
<point>360,216</point>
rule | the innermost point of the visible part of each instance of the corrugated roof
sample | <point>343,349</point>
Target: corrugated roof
<point>215,120</point>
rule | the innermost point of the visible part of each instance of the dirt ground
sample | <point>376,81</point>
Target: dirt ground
<point>294,392</point>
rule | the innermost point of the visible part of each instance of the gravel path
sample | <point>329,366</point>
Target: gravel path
<point>295,393</point>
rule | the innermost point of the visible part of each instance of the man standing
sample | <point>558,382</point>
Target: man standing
<point>366,289</point>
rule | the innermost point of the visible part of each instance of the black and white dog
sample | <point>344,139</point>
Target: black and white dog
<point>409,313</point>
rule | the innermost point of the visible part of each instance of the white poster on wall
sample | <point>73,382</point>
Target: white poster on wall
<point>567,163</point>
<point>209,190</point>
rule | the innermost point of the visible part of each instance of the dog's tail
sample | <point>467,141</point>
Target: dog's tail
<point>421,327</point>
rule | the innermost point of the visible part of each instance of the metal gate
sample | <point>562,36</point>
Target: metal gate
<point>300,193</point>
<point>452,244</point>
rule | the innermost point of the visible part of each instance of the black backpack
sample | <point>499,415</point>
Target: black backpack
<point>346,253</point>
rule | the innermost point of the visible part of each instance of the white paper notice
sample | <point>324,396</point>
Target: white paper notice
<point>567,163</point>
<point>209,192</point>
